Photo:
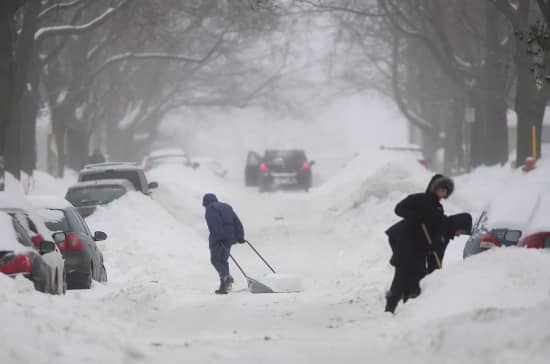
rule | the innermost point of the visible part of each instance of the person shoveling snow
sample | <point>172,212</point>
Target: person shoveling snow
<point>225,229</point>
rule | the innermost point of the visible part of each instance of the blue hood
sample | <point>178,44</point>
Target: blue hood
<point>208,199</point>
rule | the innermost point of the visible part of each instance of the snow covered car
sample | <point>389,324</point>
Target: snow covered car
<point>18,256</point>
<point>285,168</point>
<point>538,240</point>
<point>83,258</point>
<point>166,156</point>
<point>27,217</point>
<point>86,196</point>
<point>252,169</point>
<point>212,165</point>
<point>483,240</point>
<point>132,173</point>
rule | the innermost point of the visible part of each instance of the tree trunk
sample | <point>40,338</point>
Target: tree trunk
<point>530,100</point>
<point>21,142</point>
<point>6,69</point>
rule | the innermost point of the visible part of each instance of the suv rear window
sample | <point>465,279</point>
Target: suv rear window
<point>132,176</point>
<point>292,157</point>
<point>96,195</point>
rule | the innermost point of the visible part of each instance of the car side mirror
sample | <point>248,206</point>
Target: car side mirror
<point>153,185</point>
<point>47,247</point>
<point>59,237</point>
<point>512,235</point>
<point>100,236</point>
<point>311,163</point>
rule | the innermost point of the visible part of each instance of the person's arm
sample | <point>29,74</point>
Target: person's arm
<point>239,229</point>
<point>410,208</point>
<point>215,224</point>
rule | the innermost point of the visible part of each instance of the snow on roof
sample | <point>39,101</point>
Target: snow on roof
<point>105,182</point>
<point>13,201</point>
<point>112,167</point>
<point>48,202</point>
<point>167,152</point>
<point>9,239</point>
<point>108,164</point>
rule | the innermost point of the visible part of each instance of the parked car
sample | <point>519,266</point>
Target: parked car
<point>484,239</point>
<point>212,165</point>
<point>86,196</point>
<point>132,173</point>
<point>252,169</point>
<point>27,217</point>
<point>167,156</point>
<point>19,257</point>
<point>538,240</point>
<point>285,168</point>
<point>83,258</point>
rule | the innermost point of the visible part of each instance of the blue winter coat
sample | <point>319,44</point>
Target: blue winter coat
<point>223,223</point>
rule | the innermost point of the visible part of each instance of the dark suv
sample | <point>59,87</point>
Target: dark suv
<point>130,172</point>
<point>285,168</point>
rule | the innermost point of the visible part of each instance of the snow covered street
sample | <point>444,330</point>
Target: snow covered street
<point>159,306</point>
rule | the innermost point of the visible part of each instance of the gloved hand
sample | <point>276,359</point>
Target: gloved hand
<point>241,241</point>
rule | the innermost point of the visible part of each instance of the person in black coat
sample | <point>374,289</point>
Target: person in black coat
<point>225,230</point>
<point>408,240</point>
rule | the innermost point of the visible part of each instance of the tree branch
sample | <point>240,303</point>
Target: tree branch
<point>60,6</point>
<point>64,30</point>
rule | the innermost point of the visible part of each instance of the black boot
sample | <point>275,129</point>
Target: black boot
<point>391,303</point>
<point>225,285</point>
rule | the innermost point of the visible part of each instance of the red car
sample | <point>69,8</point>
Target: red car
<point>538,240</point>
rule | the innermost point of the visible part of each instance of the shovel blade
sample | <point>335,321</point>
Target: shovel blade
<point>255,286</point>
<point>275,283</point>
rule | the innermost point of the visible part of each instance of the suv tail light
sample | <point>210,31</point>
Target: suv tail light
<point>72,243</point>
<point>263,167</point>
<point>20,264</point>
<point>489,241</point>
<point>305,166</point>
<point>36,240</point>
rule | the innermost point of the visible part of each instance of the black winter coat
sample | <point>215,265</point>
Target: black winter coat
<point>408,242</point>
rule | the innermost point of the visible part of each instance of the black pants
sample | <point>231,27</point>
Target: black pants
<point>405,285</point>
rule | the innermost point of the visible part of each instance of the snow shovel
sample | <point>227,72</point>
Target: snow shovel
<point>427,235</point>
<point>271,283</point>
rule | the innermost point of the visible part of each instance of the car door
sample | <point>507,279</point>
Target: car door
<point>252,169</point>
<point>87,237</point>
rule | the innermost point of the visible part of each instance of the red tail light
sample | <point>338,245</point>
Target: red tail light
<point>537,241</point>
<point>147,167</point>
<point>72,243</point>
<point>263,167</point>
<point>305,166</point>
<point>489,241</point>
<point>36,240</point>
<point>20,264</point>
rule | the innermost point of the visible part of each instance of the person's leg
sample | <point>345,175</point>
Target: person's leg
<point>396,290</point>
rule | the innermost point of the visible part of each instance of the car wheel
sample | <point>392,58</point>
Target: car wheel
<point>55,286</point>
<point>64,282</point>
<point>103,274</point>
<point>87,283</point>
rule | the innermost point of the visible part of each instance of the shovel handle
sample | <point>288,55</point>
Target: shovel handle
<point>238,266</point>
<point>427,235</point>
<point>258,254</point>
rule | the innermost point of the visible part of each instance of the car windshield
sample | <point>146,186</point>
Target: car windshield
<point>290,157</point>
<point>94,195</point>
<point>131,176</point>
<point>55,220</point>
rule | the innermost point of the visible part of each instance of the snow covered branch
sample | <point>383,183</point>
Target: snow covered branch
<point>60,6</point>
<point>155,55</point>
<point>78,29</point>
